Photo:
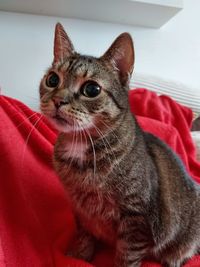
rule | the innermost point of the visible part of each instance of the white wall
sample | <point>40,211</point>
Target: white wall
<point>26,47</point>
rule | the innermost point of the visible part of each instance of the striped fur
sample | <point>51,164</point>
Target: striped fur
<point>127,187</point>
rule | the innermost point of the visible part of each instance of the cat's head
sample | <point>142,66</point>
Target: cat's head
<point>83,92</point>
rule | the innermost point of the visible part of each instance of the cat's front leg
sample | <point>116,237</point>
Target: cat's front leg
<point>132,244</point>
<point>83,245</point>
<point>126,255</point>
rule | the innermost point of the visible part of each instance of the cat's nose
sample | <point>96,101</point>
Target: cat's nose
<point>58,102</point>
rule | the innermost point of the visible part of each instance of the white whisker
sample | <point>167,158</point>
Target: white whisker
<point>110,130</point>
<point>81,144</point>
<point>27,119</point>
<point>28,137</point>
<point>94,153</point>
<point>71,151</point>
<point>107,147</point>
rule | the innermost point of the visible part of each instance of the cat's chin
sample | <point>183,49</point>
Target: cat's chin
<point>64,126</point>
<point>60,124</point>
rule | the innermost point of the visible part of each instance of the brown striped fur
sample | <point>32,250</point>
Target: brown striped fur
<point>127,187</point>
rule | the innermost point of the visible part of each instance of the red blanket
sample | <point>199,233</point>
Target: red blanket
<point>36,223</point>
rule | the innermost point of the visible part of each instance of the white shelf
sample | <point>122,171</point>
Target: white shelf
<point>147,13</point>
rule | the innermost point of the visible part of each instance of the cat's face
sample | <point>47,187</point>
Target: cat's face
<point>86,93</point>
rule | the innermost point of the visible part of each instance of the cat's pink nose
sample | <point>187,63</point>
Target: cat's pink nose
<point>58,102</point>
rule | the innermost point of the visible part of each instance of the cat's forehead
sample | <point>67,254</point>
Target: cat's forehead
<point>78,69</point>
<point>82,66</point>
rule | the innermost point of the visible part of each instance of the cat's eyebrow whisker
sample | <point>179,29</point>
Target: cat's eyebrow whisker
<point>28,137</point>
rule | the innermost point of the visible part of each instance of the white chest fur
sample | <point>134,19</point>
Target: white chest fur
<point>76,150</point>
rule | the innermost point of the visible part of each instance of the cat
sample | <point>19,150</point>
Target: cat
<point>127,187</point>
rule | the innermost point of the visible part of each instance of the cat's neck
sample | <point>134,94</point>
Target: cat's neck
<point>81,152</point>
<point>121,132</point>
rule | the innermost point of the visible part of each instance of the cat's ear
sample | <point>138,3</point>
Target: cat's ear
<point>121,56</point>
<point>63,46</point>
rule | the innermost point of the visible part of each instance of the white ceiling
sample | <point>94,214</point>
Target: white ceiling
<point>148,13</point>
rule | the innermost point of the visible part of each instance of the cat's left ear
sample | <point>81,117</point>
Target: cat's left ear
<point>63,46</point>
<point>121,56</point>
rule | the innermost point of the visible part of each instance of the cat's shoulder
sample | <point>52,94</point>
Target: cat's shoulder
<point>166,159</point>
<point>153,141</point>
<point>161,150</point>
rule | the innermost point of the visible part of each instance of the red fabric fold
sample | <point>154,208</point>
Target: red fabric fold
<point>36,221</point>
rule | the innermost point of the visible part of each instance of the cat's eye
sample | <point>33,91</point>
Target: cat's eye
<point>90,89</point>
<point>52,80</point>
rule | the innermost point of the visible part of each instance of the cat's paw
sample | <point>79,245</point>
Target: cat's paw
<point>83,247</point>
<point>81,253</point>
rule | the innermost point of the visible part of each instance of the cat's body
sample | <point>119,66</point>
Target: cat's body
<point>164,205</point>
<point>126,186</point>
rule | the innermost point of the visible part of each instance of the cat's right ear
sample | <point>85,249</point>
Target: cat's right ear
<point>121,57</point>
<point>63,46</point>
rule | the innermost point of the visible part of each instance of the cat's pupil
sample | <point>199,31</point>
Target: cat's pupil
<point>91,89</point>
<point>52,80</point>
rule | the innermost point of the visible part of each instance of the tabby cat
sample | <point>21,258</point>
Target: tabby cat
<point>126,186</point>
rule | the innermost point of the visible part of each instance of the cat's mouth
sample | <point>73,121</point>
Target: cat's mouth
<point>62,121</point>
<point>59,120</point>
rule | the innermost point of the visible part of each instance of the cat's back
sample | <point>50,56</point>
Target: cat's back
<point>177,190</point>
<point>168,163</point>
<point>178,198</point>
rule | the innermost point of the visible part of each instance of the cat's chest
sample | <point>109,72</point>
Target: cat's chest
<point>102,229</point>
<point>75,150</point>
<point>98,215</point>
<point>87,190</point>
